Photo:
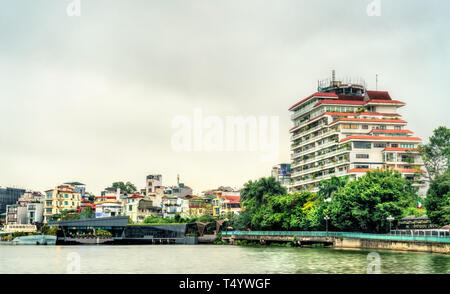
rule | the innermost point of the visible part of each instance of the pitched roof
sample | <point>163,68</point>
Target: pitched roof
<point>317,94</point>
<point>382,95</point>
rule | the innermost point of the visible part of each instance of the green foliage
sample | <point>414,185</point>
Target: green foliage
<point>51,231</point>
<point>103,234</point>
<point>437,202</point>
<point>365,203</point>
<point>436,154</point>
<point>87,212</point>
<point>127,187</point>
<point>327,188</point>
<point>257,189</point>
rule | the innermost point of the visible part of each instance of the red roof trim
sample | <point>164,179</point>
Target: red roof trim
<point>399,149</point>
<point>317,94</point>
<point>402,170</point>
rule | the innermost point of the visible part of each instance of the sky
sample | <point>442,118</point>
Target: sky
<point>93,98</point>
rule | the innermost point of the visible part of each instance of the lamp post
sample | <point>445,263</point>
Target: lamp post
<point>390,219</point>
<point>326,218</point>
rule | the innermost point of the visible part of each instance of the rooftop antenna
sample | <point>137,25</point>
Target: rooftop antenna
<point>178,180</point>
<point>333,76</point>
<point>376,82</point>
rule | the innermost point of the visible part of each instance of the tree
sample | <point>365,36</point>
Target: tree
<point>365,203</point>
<point>127,187</point>
<point>257,189</point>
<point>437,201</point>
<point>436,154</point>
<point>327,188</point>
<point>86,212</point>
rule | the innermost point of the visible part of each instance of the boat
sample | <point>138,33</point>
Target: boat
<point>35,240</point>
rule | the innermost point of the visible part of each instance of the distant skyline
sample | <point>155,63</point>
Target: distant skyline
<point>92,98</point>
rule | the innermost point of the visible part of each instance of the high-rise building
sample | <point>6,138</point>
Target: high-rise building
<point>9,196</point>
<point>282,173</point>
<point>343,129</point>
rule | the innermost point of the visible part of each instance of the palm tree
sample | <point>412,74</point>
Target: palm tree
<point>327,188</point>
<point>264,186</point>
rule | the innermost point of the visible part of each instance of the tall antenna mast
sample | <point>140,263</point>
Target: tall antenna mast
<point>333,76</point>
<point>376,82</point>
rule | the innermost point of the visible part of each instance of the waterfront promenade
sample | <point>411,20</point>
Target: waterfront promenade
<point>430,244</point>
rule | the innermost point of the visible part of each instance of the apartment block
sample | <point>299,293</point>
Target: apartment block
<point>344,129</point>
<point>62,198</point>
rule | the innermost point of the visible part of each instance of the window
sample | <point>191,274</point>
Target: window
<point>350,126</point>
<point>394,145</point>
<point>66,203</point>
<point>365,127</point>
<point>362,145</point>
<point>397,127</point>
<point>379,145</point>
<point>362,166</point>
<point>382,127</point>
<point>362,156</point>
<point>407,145</point>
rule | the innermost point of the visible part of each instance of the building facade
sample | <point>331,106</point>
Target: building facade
<point>343,129</point>
<point>9,196</point>
<point>282,173</point>
<point>226,202</point>
<point>62,198</point>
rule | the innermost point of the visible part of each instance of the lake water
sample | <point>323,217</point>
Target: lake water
<point>209,259</point>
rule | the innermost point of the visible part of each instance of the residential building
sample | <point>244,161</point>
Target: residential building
<point>227,202</point>
<point>27,210</point>
<point>195,206</point>
<point>146,208</point>
<point>156,196</point>
<point>282,173</point>
<point>35,212</point>
<point>343,129</point>
<point>108,209</point>
<point>151,182</point>
<point>9,196</point>
<point>171,206</point>
<point>62,198</point>
<point>132,206</point>
<point>78,188</point>
<point>16,214</point>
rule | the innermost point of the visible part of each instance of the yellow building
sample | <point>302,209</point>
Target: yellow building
<point>62,198</point>
<point>196,206</point>
<point>226,202</point>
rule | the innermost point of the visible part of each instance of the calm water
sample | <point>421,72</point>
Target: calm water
<point>185,259</point>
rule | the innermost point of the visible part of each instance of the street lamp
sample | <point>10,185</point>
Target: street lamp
<point>326,218</point>
<point>390,219</point>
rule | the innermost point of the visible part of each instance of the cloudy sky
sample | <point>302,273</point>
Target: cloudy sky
<point>93,97</point>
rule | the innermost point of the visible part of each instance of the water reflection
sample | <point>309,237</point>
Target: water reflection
<point>184,259</point>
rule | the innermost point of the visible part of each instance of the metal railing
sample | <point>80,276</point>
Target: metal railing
<point>339,235</point>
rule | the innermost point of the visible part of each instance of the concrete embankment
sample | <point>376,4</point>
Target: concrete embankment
<point>346,242</point>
